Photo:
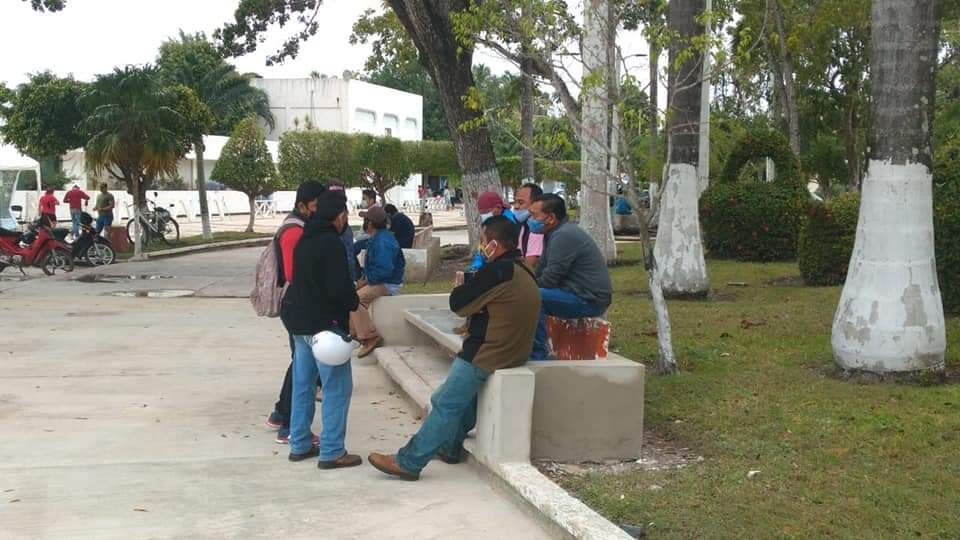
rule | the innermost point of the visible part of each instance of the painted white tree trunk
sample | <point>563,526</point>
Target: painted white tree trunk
<point>679,249</point>
<point>595,202</point>
<point>890,316</point>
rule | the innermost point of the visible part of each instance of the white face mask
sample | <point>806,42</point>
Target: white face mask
<point>484,217</point>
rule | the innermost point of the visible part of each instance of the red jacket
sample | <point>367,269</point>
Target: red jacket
<point>48,204</point>
<point>75,197</point>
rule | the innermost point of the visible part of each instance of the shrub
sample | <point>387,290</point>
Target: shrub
<point>946,224</point>
<point>826,240</point>
<point>755,221</point>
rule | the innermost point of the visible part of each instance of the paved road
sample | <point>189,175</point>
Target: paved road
<point>143,417</point>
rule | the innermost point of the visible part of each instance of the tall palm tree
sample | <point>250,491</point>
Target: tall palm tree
<point>679,247</point>
<point>134,131</point>
<point>890,317</point>
<point>194,62</point>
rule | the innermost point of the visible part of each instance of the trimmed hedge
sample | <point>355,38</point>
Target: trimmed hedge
<point>826,240</point>
<point>755,221</point>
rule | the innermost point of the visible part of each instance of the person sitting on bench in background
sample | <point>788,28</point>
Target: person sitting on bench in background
<point>572,272</point>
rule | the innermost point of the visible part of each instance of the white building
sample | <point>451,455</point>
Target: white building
<point>347,106</point>
<point>344,105</point>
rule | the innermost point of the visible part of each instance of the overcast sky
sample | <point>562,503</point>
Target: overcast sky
<point>93,36</point>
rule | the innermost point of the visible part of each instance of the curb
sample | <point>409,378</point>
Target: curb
<point>173,252</point>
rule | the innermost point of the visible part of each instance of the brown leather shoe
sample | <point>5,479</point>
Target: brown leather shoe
<point>388,464</point>
<point>342,462</point>
<point>369,346</point>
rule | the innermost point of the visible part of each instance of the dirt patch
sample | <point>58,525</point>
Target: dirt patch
<point>658,454</point>
<point>454,258</point>
<point>950,375</point>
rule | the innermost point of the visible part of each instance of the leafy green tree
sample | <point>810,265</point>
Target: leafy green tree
<point>311,154</point>
<point>42,120</point>
<point>432,158</point>
<point>135,132</point>
<point>246,165</point>
<point>194,62</point>
<point>386,164</point>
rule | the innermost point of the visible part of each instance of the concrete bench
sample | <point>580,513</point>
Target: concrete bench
<point>583,410</point>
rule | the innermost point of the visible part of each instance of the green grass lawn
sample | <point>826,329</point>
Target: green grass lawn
<point>757,391</point>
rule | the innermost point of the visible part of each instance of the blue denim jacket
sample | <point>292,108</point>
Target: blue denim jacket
<point>384,261</point>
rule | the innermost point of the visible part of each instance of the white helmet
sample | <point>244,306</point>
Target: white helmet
<point>331,348</point>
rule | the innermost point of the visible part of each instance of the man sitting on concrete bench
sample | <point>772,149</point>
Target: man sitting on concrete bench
<point>503,304</point>
<point>572,273</point>
<point>383,270</point>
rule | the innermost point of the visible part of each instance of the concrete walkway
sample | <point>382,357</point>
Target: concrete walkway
<point>130,417</point>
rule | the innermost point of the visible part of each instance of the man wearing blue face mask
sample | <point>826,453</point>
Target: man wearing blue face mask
<point>531,243</point>
<point>489,204</point>
<point>572,273</point>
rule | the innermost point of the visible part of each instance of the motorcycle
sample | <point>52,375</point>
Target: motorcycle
<point>35,247</point>
<point>90,247</point>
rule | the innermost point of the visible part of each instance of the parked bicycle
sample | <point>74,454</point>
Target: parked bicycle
<point>156,223</point>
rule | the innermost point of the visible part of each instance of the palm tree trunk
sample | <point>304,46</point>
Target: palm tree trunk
<point>653,118</point>
<point>789,88</point>
<point>595,204</point>
<point>890,317</point>
<point>202,191</point>
<point>138,202</point>
<point>679,248</point>
<point>253,212</point>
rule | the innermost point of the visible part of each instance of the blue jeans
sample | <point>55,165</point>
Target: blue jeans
<point>105,220</point>
<point>75,221</point>
<point>453,414</point>
<point>337,389</point>
<point>562,304</point>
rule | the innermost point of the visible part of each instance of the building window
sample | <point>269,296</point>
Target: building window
<point>411,125</point>
<point>365,120</point>
<point>391,124</point>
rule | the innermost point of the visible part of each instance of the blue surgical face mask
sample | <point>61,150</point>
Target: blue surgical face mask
<point>521,215</point>
<point>484,217</point>
<point>535,225</point>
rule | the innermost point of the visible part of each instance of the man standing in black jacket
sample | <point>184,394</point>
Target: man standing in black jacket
<point>320,297</point>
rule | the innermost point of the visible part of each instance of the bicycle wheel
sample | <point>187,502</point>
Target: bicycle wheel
<point>57,259</point>
<point>100,255</point>
<point>171,232</point>
<point>144,233</point>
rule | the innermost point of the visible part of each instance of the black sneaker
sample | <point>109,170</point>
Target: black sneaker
<point>313,452</point>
